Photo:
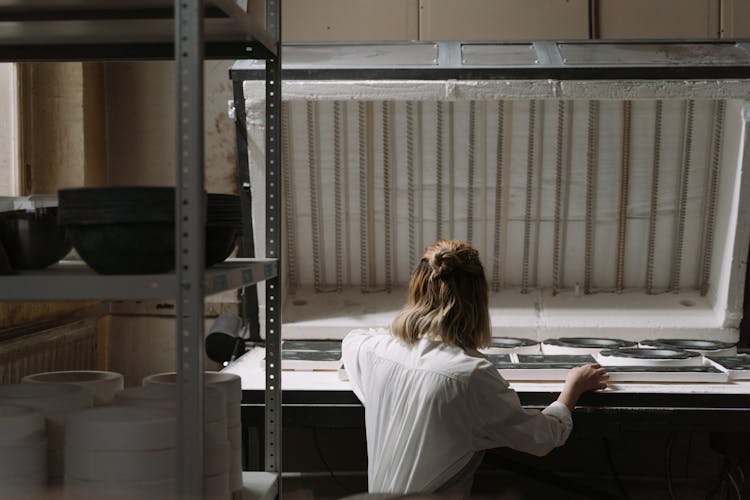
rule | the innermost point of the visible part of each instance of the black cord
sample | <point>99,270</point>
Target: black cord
<point>668,466</point>
<point>738,468</point>
<point>613,469</point>
<point>734,485</point>
<point>327,466</point>
<point>717,489</point>
<point>687,456</point>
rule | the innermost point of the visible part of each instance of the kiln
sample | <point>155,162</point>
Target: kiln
<point>601,182</point>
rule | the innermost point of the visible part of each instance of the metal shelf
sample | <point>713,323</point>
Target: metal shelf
<point>187,31</point>
<point>120,29</point>
<point>73,280</point>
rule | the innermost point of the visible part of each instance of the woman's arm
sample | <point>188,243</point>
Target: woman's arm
<point>351,350</point>
<point>502,421</point>
<point>582,379</point>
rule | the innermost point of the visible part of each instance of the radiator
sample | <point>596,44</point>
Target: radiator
<point>71,346</point>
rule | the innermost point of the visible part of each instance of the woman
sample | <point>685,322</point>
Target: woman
<point>432,402</point>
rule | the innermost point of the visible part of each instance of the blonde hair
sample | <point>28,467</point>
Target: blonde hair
<point>448,298</point>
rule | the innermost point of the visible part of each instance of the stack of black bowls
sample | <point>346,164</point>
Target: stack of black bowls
<point>131,230</point>
<point>30,237</point>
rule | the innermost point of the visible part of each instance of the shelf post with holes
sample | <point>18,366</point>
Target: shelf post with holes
<point>273,424</point>
<point>190,248</point>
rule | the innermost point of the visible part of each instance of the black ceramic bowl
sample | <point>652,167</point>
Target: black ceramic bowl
<point>131,230</point>
<point>32,238</point>
<point>142,248</point>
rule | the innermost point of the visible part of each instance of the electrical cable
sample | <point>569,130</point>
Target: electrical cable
<point>613,469</point>
<point>734,485</point>
<point>718,487</point>
<point>687,455</point>
<point>738,468</point>
<point>668,466</point>
<point>329,469</point>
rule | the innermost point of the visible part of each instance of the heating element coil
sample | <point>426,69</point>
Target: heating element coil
<point>607,195</point>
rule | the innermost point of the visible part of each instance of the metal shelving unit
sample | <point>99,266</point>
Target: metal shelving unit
<point>187,31</point>
<point>72,280</point>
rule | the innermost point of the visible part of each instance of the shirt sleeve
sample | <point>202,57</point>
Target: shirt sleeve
<point>351,348</point>
<point>503,422</point>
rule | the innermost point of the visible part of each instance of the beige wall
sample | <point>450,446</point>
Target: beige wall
<point>735,19</point>
<point>678,19</point>
<point>140,125</point>
<point>503,19</point>
<point>355,20</point>
<point>53,151</point>
<point>334,20</point>
<point>152,338</point>
<point>63,126</point>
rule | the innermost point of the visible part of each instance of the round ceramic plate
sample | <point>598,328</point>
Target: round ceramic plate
<point>26,459</point>
<point>713,347</point>
<point>506,345</point>
<point>216,458</point>
<point>101,384</point>
<point>656,357</point>
<point>582,345</point>
<point>229,383</point>
<point>18,423</point>
<point>122,428</point>
<point>590,342</point>
<point>47,398</point>
<point>163,396</point>
<point>152,465</point>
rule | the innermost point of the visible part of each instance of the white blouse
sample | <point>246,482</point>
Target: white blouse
<point>430,407</point>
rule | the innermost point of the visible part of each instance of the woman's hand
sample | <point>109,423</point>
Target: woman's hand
<point>582,379</point>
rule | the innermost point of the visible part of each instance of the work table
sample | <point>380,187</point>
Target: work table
<point>321,398</point>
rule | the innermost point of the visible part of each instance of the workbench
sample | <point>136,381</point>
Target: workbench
<point>321,399</point>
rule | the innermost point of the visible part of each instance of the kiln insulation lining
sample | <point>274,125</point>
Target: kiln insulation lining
<point>563,198</point>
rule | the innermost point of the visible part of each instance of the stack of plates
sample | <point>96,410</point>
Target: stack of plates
<point>55,402</point>
<point>23,452</point>
<point>119,450</point>
<point>506,345</point>
<point>217,448</point>
<point>582,345</point>
<point>231,384</point>
<point>705,347</point>
<point>231,387</point>
<point>102,385</point>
